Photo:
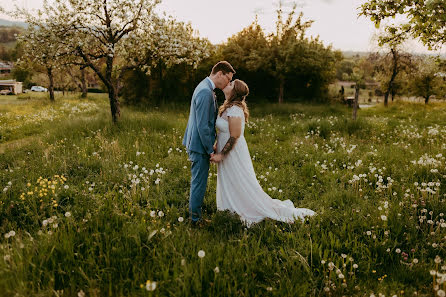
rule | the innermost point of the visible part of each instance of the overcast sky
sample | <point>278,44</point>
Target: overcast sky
<point>335,21</point>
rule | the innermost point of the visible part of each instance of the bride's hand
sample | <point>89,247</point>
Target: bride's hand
<point>216,158</point>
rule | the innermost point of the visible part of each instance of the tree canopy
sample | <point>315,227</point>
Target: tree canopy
<point>426,19</point>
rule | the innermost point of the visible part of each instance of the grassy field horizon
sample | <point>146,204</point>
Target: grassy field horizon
<point>90,208</point>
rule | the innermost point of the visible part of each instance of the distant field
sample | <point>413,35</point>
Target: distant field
<point>9,45</point>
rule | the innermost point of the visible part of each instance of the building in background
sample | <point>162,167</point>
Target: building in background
<point>6,68</point>
<point>12,85</point>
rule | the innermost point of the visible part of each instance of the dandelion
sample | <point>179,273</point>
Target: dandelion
<point>68,214</point>
<point>217,270</point>
<point>183,262</point>
<point>369,233</point>
<point>201,254</point>
<point>441,293</point>
<point>384,218</point>
<point>415,261</point>
<point>150,286</point>
<point>66,187</point>
<point>340,275</point>
<point>269,289</point>
<point>355,266</point>
<point>397,251</point>
<point>344,256</point>
<point>152,213</point>
<point>323,262</point>
<point>437,260</point>
<point>160,214</point>
<point>81,293</point>
<point>10,234</point>
<point>180,219</point>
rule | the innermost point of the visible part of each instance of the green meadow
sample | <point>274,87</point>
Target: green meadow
<point>89,208</point>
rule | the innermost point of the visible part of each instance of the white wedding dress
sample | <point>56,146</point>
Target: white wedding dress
<point>237,187</point>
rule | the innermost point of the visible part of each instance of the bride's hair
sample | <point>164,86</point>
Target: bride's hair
<point>237,97</point>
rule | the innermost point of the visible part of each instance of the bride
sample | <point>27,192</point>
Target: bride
<point>237,187</point>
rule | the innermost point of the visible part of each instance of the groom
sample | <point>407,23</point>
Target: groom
<point>200,134</point>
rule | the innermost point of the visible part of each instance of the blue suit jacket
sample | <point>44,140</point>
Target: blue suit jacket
<point>200,131</point>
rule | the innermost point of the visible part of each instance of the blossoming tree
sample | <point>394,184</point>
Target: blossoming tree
<point>426,19</point>
<point>42,50</point>
<point>115,36</point>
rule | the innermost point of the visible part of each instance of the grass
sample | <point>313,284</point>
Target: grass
<point>88,206</point>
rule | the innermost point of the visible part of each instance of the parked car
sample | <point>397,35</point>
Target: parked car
<point>38,89</point>
<point>5,92</point>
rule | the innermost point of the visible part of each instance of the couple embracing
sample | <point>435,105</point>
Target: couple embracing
<point>237,187</point>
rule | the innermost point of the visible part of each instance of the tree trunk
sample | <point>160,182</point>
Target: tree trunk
<point>114,104</point>
<point>386,98</point>
<point>281,87</point>
<point>108,81</point>
<point>112,91</point>
<point>83,84</point>
<point>393,94</point>
<point>428,93</point>
<point>51,86</point>
<point>355,103</point>
<point>392,78</point>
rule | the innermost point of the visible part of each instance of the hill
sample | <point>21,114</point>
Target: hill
<point>7,23</point>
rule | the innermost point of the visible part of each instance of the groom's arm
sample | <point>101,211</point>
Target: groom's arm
<point>203,109</point>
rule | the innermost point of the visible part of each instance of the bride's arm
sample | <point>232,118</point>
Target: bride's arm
<point>235,130</point>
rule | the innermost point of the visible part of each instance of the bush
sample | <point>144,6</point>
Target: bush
<point>94,90</point>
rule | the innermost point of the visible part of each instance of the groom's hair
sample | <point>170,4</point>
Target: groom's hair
<point>222,66</point>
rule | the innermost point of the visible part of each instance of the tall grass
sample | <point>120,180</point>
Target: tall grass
<point>101,209</point>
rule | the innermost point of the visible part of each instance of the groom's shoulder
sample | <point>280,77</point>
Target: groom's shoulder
<point>204,84</point>
<point>203,88</point>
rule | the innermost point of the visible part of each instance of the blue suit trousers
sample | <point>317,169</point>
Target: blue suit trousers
<point>200,171</point>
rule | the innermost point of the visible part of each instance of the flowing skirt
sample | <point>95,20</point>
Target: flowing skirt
<point>239,191</point>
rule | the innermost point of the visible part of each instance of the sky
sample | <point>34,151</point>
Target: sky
<point>336,22</point>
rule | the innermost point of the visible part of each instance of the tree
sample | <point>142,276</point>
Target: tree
<point>247,51</point>
<point>390,66</point>
<point>344,66</point>
<point>115,36</point>
<point>426,19</point>
<point>426,82</point>
<point>286,57</point>
<point>23,74</point>
<point>285,46</point>
<point>42,49</point>
<point>362,71</point>
<point>79,77</point>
